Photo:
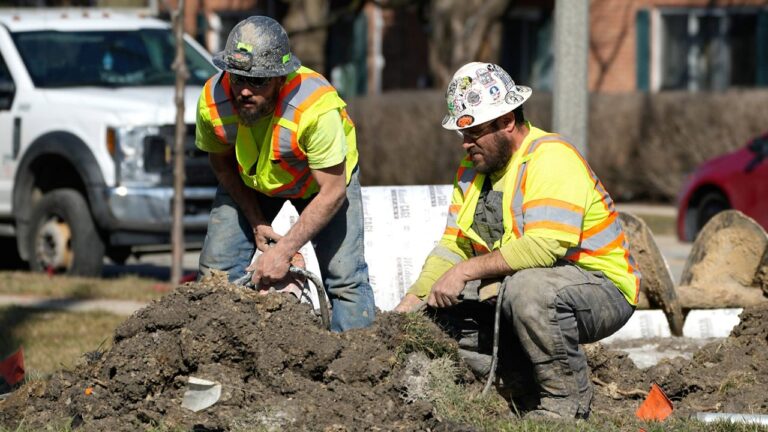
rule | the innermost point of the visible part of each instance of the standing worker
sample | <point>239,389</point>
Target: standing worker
<point>531,225</point>
<point>278,131</point>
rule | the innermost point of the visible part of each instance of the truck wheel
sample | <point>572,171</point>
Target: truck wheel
<point>63,238</point>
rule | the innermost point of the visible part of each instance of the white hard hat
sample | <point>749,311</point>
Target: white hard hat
<point>480,92</point>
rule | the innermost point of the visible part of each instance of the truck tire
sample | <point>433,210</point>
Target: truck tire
<point>63,238</point>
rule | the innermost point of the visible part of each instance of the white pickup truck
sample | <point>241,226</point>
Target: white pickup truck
<point>87,117</point>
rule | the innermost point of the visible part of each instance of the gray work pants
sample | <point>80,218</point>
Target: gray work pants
<point>546,314</point>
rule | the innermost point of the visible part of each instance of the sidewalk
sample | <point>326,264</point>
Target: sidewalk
<point>648,209</point>
<point>118,307</point>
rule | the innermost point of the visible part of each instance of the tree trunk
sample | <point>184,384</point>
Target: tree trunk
<point>177,227</point>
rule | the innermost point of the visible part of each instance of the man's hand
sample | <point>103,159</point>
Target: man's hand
<point>445,292</point>
<point>409,303</point>
<point>271,266</point>
<point>265,236</point>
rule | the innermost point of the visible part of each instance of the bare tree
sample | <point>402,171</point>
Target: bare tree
<point>182,74</point>
<point>461,32</point>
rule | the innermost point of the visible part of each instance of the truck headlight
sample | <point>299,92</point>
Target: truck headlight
<point>135,150</point>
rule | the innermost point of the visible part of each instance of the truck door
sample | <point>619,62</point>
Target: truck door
<point>9,139</point>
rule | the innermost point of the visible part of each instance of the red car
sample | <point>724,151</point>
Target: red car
<point>737,180</point>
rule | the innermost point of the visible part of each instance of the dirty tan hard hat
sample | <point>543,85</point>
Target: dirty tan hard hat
<point>480,92</point>
<point>258,46</point>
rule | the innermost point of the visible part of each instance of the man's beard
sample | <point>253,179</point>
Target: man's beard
<point>495,156</point>
<point>249,116</point>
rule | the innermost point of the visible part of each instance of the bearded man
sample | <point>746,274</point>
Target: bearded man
<point>276,131</point>
<point>532,245</point>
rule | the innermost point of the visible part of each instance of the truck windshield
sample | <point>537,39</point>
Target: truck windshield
<point>107,58</point>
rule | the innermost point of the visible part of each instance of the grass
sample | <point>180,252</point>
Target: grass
<point>418,336</point>
<point>458,404</point>
<point>53,340</point>
<point>123,288</point>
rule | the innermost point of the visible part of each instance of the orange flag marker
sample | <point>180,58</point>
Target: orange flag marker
<point>656,405</point>
<point>12,368</point>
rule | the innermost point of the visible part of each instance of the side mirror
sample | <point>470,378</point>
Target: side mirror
<point>759,146</point>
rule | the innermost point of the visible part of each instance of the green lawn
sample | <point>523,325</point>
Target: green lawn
<point>123,288</point>
<point>53,340</point>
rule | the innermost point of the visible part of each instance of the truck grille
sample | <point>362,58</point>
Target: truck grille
<point>158,159</point>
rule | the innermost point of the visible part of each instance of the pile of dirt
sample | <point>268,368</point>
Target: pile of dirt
<point>726,376</point>
<point>279,370</point>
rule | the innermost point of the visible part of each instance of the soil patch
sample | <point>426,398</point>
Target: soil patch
<point>279,370</point>
<point>730,375</point>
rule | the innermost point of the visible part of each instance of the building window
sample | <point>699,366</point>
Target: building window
<point>527,47</point>
<point>709,49</point>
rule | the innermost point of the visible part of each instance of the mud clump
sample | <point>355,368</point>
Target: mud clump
<point>278,369</point>
<point>725,376</point>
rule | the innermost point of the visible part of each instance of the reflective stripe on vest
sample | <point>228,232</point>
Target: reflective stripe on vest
<point>465,178</point>
<point>298,93</point>
<point>555,214</point>
<point>223,117</point>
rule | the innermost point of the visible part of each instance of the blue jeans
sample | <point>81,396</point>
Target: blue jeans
<point>229,247</point>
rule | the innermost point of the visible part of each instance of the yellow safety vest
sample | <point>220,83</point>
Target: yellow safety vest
<point>600,245</point>
<point>270,155</point>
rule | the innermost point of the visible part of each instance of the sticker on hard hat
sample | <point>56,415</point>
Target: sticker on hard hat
<point>513,99</point>
<point>242,46</point>
<point>495,93</point>
<point>239,60</point>
<point>465,120</point>
<point>473,98</point>
<point>522,89</point>
<point>485,77</point>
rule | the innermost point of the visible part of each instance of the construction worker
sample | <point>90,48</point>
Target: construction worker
<point>277,131</point>
<point>530,225</point>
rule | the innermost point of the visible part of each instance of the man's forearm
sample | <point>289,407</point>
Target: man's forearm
<point>484,266</point>
<point>322,208</point>
<point>314,218</point>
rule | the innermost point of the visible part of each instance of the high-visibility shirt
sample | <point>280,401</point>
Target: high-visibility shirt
<point>275,154</point>
<point>549,192</point>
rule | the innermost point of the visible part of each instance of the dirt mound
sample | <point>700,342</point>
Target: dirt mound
<point>278,368</point>
<point>726,376</point>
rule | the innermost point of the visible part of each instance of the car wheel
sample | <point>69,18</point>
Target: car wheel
<point>63,237</point>
<point>710,204</point>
